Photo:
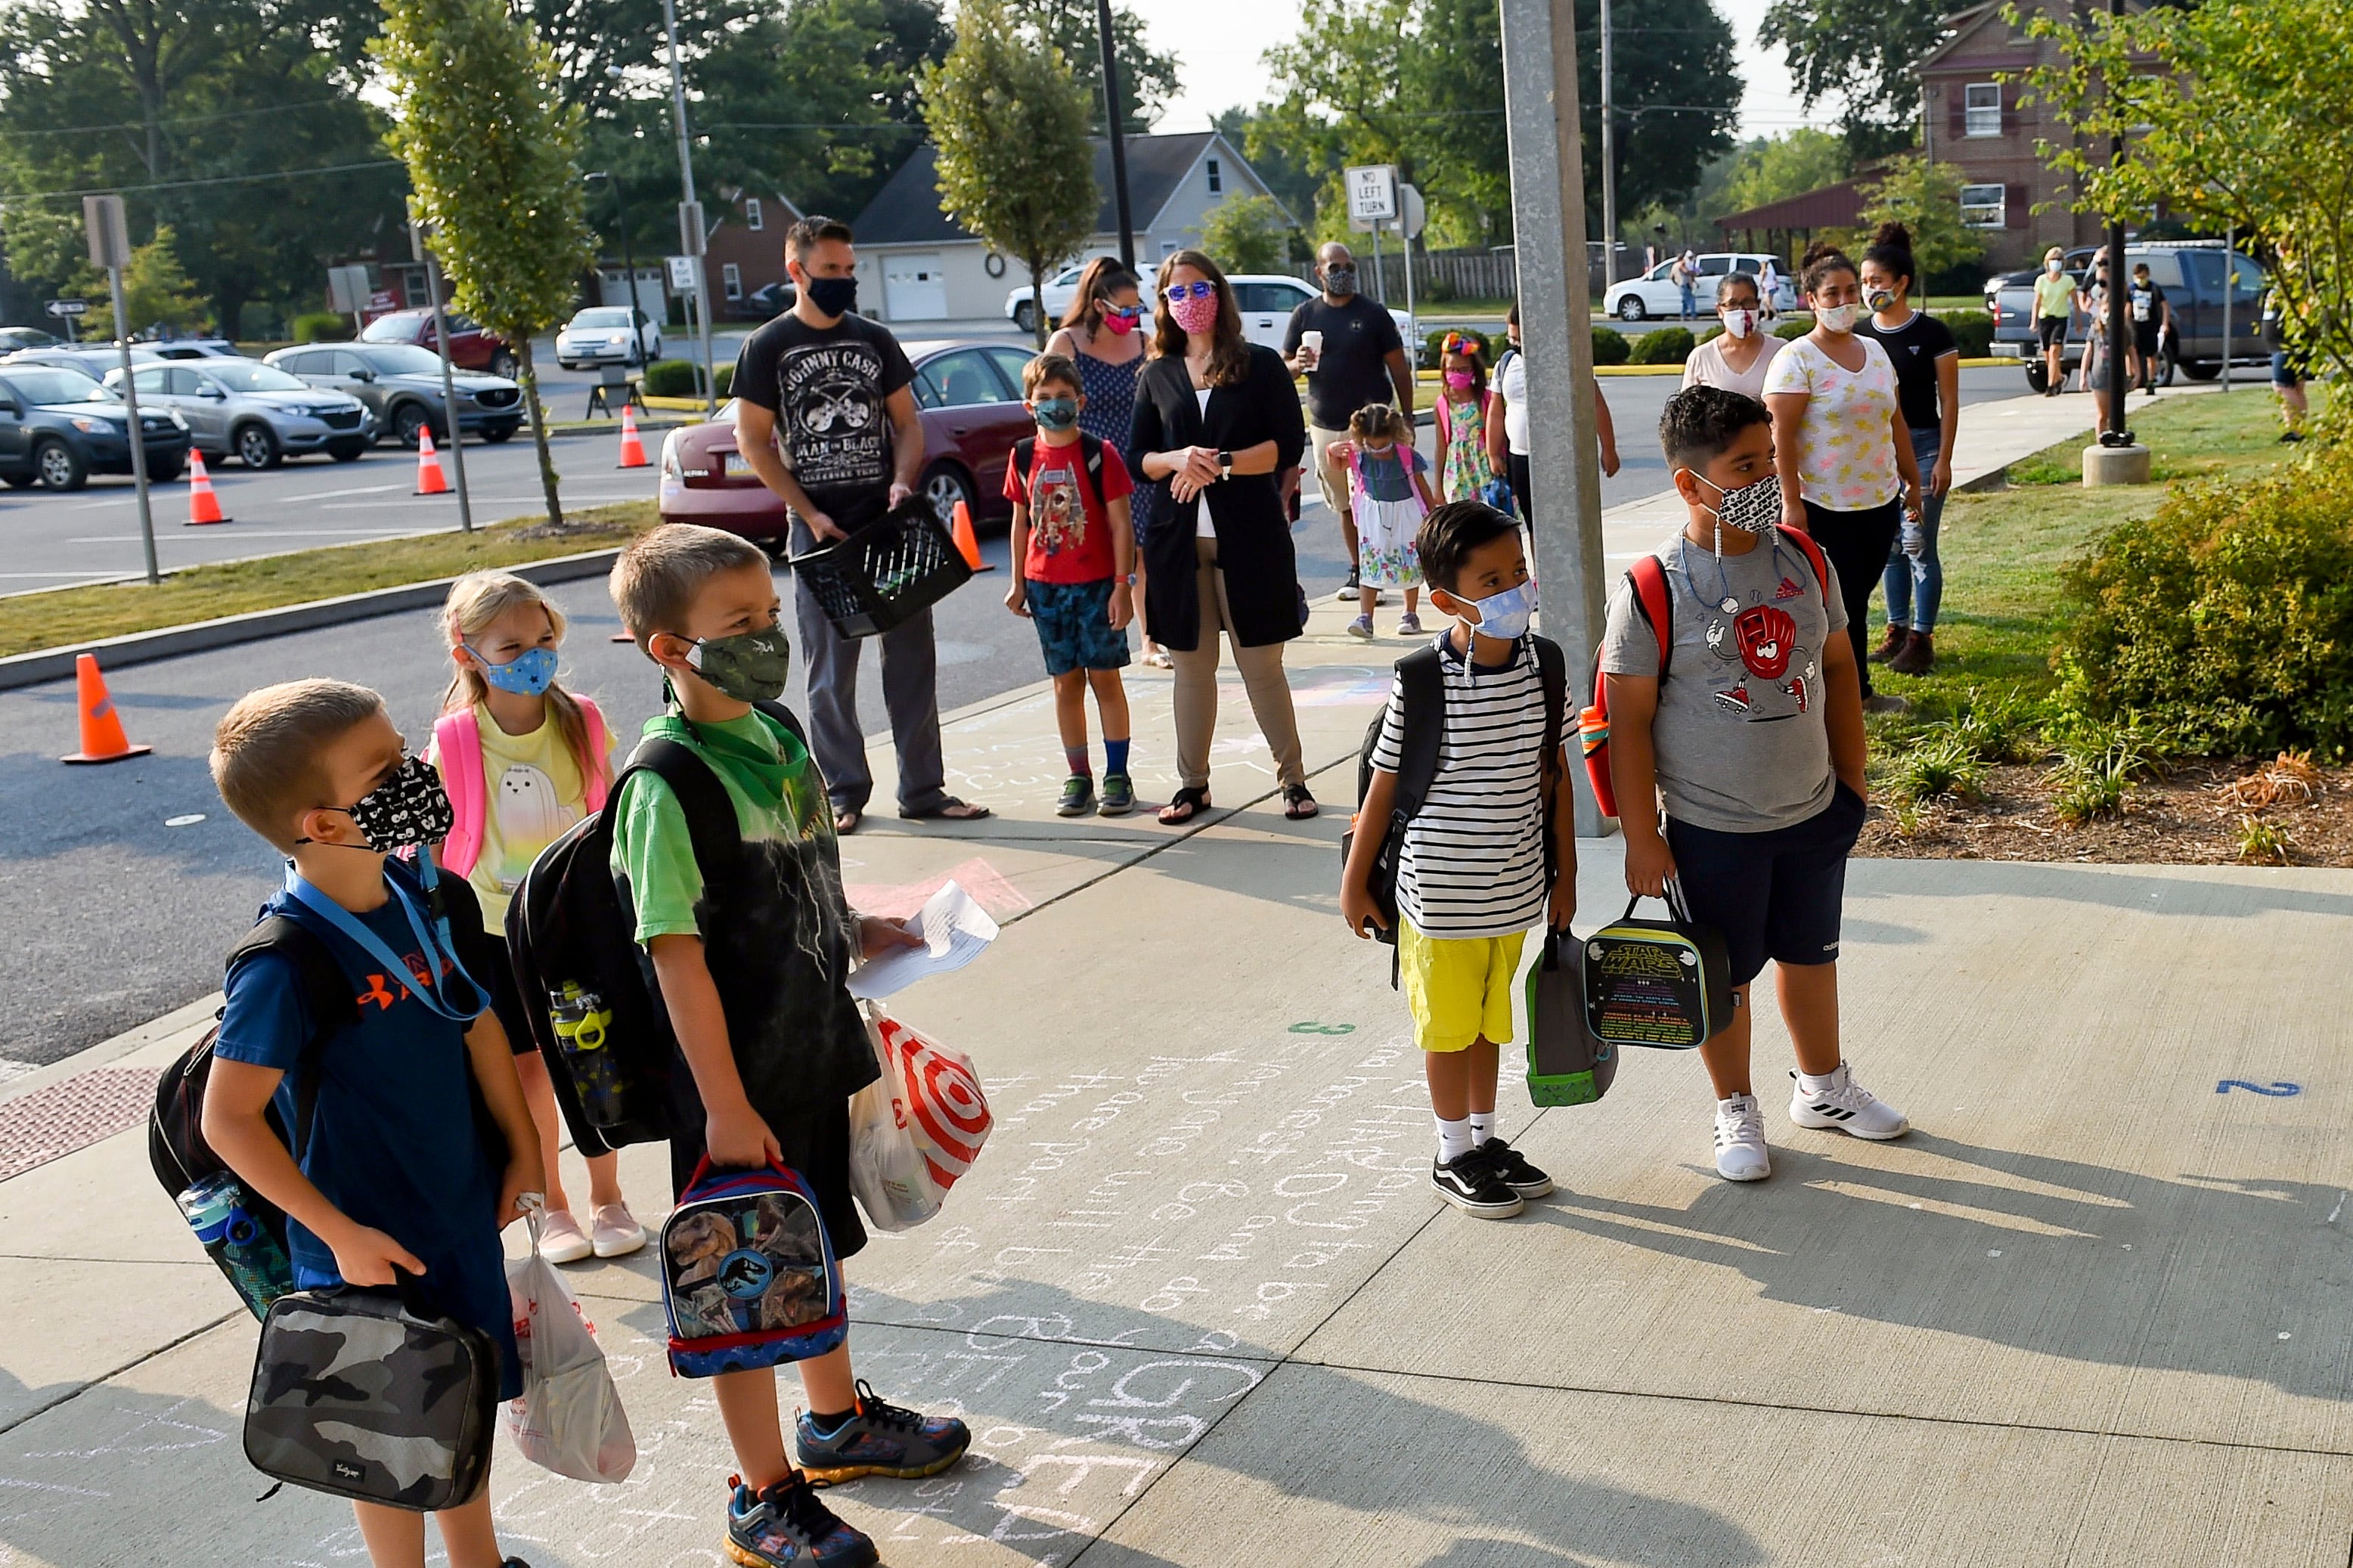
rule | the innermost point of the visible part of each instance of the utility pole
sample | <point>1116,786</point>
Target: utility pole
<point>2119,292</point>
<point>690,211</point>
<point>1542,118</point>
<point>1118,134</point>
<point>1608,160</point>
<point>424,252</point>
<point>110,247</point>
<point>629,258</point>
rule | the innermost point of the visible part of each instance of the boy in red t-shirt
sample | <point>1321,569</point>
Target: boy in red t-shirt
<point>1077,556</point>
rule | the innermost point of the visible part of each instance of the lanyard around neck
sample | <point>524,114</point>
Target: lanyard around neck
<point>433,943</point>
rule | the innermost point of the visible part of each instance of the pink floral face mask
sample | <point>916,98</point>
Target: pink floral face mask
<point>1194,306</point>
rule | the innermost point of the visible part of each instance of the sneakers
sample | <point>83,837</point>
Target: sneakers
<point>1362,627</point>
<point>1842,1105</point>
<point>560,1239</point>
<point>614,1231</point>
<point>1118,795</point>
<point>1408,626</point>
<point>1078,797</point>
<point>786,1526</point>
<point>1474,1183</point>
<point>1512,1166</point>
<point>1348,589</point>
<point>1740,1153</point>
<point>1891,644</point>
<point>881,1439</point>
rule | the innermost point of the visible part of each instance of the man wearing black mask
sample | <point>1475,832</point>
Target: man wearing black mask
<point>825,414</point>
<point>1348,348</point>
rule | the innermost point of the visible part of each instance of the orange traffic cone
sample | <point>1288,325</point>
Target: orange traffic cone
<point>965,542</point>
<point>633,451</point>
<point>204,507</point>
<point>102,740</point>
<point>430,479</point>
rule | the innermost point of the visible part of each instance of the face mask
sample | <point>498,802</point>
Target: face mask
<point>1120,320</point>
<point>1739,323</point>
<point>408,807</point>
<point>1751,508</point>
<point>2051,268</point>
<point>1194,312</point>
<point>1339,280</point>
<point>750,667</point>
<point>527,674</point>
<point>1879,300</point>
<point>833,296</point>
<point>1506,615</point>
<point>1838,318</point>
<point>1055,413</point>
<point>1461,380</point>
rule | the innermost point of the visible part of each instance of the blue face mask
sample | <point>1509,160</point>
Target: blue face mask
<point>528,674</point>
<point>1506,615</point>
<point>1055,413</point>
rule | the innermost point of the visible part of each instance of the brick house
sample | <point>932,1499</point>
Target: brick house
<point>745,250</point>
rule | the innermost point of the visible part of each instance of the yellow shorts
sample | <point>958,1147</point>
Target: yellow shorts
<point>1459,989</point>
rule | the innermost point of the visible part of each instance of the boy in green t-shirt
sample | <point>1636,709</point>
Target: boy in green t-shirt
<point>751,965</point>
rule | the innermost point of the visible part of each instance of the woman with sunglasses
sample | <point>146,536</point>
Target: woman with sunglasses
<point>1737,358</point>
<point>1103,333</point>
<point>1217,421</point>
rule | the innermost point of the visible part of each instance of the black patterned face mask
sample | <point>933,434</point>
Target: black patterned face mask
<point>409,807</point>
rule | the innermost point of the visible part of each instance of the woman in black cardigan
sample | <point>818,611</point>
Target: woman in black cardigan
<point>1217,420</point>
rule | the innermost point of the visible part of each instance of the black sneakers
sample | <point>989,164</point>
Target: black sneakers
<point>1518,1174</point>
<point>1474,1183</point>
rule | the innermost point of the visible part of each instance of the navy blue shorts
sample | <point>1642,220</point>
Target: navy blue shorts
<point>1073,621</point>
<point>1776,894</point>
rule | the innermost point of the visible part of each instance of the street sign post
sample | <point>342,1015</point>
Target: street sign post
<point>110,247</point>
<point>422,251</point>
<point>347,291</point>
<point>1411,214</point>
<point>67,310</point>
<point>1372,202</point>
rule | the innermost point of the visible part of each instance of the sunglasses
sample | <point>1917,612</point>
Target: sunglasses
<point>1126,312</point>
<point>1200,290</point>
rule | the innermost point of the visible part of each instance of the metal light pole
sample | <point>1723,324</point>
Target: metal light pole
<point>2230,277</point>
<point>2119,281</point>
<point>110,247</point>
<point>1608,161</point>
<point>424,252</point>
<point>628,256</point>
<point>1541,117</point>
<point>1117,133</point>
<point>690,211</point>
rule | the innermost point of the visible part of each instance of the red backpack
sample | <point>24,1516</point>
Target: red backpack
<point>1654,601</point>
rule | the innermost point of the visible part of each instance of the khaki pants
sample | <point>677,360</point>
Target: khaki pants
<point>1197,686</point>
<point>1333,476</point>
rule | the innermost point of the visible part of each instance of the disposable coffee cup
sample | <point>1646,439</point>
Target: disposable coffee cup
<point>1314,344</point>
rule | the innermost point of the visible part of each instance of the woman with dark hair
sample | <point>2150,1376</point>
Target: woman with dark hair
<point>1929,390</point>
<point>1848,476</point>
<point>1218,421</point>
<point>1104,332</point>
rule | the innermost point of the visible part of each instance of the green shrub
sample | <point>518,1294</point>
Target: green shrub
<point>2227,615</point>
<point>1609,346</point>
<point>1663,345</point>
<point>1942,764</point>
<point>1973,329</point>
<point>322,327</point>
<point>682,378</point>
<point>1792,329</point>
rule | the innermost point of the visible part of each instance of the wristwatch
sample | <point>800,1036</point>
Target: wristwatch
<point>1131,579</point>
<point>1225,465</point>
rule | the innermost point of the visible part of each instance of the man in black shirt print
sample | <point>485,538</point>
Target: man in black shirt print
<point>826,416</point>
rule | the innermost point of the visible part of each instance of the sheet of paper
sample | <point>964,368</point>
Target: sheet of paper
<point>955,931</point>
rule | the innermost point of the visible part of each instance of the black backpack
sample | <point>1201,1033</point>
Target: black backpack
<point>1091,448</point>
<point>595,1015</point>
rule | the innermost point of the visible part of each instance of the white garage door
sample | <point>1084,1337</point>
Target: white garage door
<point>914,289</point>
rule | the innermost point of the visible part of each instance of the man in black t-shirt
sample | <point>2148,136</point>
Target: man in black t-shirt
<point>825,414</point>
<point>2151,317</point>
<point>1355,358</point>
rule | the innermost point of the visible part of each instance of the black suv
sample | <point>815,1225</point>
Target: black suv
<point>2190,271</point>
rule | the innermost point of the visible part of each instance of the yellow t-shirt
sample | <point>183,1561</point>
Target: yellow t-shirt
<point>533,791</point>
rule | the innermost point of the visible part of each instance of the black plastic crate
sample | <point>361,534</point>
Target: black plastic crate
<point>886,571</point>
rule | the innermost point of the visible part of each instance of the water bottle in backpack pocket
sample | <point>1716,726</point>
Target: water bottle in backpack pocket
<point>235,1237</point>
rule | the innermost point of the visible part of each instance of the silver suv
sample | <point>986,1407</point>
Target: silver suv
<point>260,415</point>
<point>401,385</point>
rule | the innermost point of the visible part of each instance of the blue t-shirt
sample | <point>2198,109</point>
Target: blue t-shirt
<point>393,1139</point>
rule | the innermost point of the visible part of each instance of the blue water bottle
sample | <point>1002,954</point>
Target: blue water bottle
<point>257,1266</point>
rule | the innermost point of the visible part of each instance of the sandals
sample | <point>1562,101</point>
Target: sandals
<point>1186,804</point>
<point>846,819</point>
<point>1297,803</point>
<point>949,809</point>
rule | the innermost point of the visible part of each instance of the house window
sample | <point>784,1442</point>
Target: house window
<point>1981,113</point>
<point>1217,181</point>
<point>733,277</point>
<point>1985,206</point>
<point>752,212</point>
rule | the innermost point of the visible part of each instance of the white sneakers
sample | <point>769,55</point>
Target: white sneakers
<point>1839,1105</point>
<point>613,1232</point>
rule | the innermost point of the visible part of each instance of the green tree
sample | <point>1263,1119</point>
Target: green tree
<point>491,148</point>
<point>1147,78</point>
<point>1010,121</point>
<point>155,291</point>
<point>1246,234</point>
<point>1925,198</point>
<point>1789,165</point>
<point>1292,183</point>
<point>1861,52</point>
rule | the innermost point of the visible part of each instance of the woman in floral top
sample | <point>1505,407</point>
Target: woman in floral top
<point>1848,475</point>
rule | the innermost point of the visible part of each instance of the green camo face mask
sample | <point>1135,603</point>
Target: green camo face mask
<point>750,667</point>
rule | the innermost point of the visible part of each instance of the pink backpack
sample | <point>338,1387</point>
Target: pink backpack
<point>457,746</point>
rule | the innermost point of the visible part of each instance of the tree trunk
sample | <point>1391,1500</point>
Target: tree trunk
<point>529,376</point>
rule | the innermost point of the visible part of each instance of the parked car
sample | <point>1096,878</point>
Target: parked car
<point>401,385</point>
<point>1655,293</point>
<point>1059,290</point>
<point>471,347</point>
<point>2192,274</point>
<point>1266,298</point>
<point>256,412</point>
<point>57,428</point>
<point>12,338</point>
<point>601,335</point>
<point>968,396</point>
<point>92,359</point>
<point>765,303</point>
<point>192,348</point>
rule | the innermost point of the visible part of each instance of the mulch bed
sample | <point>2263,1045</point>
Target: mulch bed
<point>2186,817</point>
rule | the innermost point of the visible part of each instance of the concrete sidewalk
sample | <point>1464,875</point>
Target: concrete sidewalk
<point>1201,1307</point>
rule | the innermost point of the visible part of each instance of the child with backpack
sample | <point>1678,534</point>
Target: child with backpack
<point>522,760</point>
<point>1465,470</point>
<point>395,1173</point>
<point>1389,495</point>
<point>1733,698</point>
<point>749,957</point>
<point>1468,773</point>
<point>1077,578</point>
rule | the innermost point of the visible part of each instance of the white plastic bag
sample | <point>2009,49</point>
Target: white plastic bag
<point>917,1129</point>
<point>886,1166</point>
<point>569,1419</point>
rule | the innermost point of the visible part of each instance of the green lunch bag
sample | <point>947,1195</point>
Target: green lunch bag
<point>1566,1065</point>
<point>1663,983</point>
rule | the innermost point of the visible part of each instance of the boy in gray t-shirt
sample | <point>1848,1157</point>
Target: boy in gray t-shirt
<point>1754,741</point>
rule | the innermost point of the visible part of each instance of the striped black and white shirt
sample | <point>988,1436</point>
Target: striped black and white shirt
<point>1473,859</point>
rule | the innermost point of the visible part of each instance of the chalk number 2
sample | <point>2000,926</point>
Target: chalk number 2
<point>2279,1090</point>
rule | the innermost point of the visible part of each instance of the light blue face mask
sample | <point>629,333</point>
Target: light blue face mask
<point>1506,615</point>
<point>528,674</point>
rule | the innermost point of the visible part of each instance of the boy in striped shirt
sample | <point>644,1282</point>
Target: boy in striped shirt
<point>1472,873</point>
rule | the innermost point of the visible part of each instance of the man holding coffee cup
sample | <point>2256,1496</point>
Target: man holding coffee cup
<point>1348,348</point>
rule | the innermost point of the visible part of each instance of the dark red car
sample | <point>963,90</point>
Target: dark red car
<point>968,396</point>
<point>471,347</point>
